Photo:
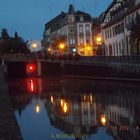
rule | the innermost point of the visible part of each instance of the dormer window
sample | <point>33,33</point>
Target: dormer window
<point>71,19</point>
<point>81,18</point>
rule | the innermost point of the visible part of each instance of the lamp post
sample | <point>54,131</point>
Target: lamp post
<point>99,40</point>
<point>99,43</point>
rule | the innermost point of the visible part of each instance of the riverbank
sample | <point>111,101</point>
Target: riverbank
<point>9,129</point>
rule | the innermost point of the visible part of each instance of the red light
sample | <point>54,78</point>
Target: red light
<point>31,68</point>
<point>32,85</point>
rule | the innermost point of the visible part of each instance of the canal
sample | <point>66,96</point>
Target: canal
<point>61,108</point>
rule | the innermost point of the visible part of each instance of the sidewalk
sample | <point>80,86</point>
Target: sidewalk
<point>9,129</point>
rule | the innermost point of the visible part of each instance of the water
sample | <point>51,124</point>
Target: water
<point>61,108</point>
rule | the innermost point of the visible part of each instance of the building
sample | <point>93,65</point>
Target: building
<point>115,28</point>
<point>69,33</point>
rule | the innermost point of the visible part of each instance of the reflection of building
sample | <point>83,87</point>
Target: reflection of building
<point>73,29</point>
<point>121,113</point>
<point>80,117</point>
<point>71,111</point>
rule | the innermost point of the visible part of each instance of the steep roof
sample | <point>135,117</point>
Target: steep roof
<point>71,9</point>
<point>58,17</point>
<point>122,16</point>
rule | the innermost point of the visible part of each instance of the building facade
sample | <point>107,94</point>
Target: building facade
<point>115,28</point>
<point>69,33</point>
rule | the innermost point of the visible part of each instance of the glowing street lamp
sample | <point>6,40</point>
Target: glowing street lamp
<point>49,49</point>
<point>61,46</point>
<point>88,48</point>
<point>98,40</point>
<point>34,45</point>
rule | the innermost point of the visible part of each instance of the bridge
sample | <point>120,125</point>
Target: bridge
<point>96,66</point>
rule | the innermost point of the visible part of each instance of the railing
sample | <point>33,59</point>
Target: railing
<point>133,60</point>
<point>118,60</point>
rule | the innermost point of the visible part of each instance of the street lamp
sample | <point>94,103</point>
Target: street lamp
<point>98,40</point>
<point>99,45</point>
<point>61,46</point>
<point>34,45</point>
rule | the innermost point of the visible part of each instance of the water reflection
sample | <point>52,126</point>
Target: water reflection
<point>79,108</point>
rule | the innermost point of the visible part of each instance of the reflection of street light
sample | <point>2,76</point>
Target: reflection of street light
<point>103,119</point>
<point>65,108</point>
<point>52,99</point>
<point>37,108</point>
<point>62,102</point>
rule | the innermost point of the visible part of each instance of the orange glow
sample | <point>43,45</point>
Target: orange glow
<point>103,119</point>
<point>49,49</point>
<point>62,102</point>
<point>84,97</point>
<point>65,108</point>
<point>52,99</point>
<point>61,46</point>
<point>91,98</point>
<point>98,39</point>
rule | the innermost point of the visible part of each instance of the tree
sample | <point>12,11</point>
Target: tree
<point>4,34</point>
<point>135,35</point>
<point>12,45</point>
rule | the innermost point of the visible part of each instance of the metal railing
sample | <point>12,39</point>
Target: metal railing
<point>117,60</point>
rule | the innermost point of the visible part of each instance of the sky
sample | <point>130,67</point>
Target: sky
<point>28,17</point>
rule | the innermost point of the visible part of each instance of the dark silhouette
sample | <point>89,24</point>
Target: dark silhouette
<point>4,34</point>
<point>12,45</point>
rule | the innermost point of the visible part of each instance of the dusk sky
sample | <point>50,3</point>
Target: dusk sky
<point>28,17</point>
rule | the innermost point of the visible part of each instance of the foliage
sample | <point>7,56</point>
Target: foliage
<point>12,45</point>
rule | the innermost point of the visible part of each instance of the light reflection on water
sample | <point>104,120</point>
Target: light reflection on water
<point>54,108</point>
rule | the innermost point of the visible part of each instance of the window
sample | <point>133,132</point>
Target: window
<point>110,32</point>
<point>72,41</point>
<point>71,19</point>
<point>120,48</point>
<point>87,28</point>
<point>81,41</point>
<point>117,48</point>
<point>87,40</point>
<point>71,29</point>
<point>81,29</point>
<point>81,18</point>
<point>113,31</point>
